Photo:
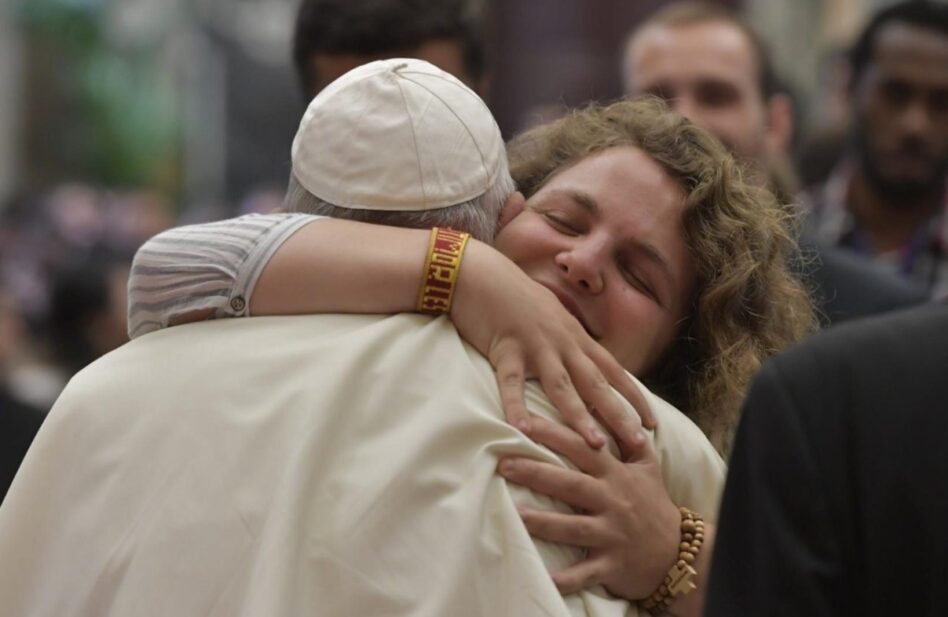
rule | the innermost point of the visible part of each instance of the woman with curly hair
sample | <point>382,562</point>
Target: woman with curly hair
<point>745,304</point>
<point>637,234</point>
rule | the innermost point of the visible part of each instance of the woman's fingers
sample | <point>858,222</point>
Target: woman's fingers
<point>595,389</point>
<point>572,529</point>
<point>619,379</point>
<point>564,441</point>
<point>525,332</point>
<point>558,385</point>
<point>571,487</point>
<point>627,521</point>
<point>510,372</point>
<point>581,575</point>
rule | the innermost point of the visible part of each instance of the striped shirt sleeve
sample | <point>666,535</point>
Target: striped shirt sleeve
<point>207,266</point>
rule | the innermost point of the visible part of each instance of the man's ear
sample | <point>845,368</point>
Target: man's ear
<point>779,124</point>
<point>512,207</point>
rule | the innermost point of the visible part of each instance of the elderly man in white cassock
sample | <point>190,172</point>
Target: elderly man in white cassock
<point>314,465</point>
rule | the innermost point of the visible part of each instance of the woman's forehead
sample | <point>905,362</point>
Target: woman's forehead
<point>622,174</point>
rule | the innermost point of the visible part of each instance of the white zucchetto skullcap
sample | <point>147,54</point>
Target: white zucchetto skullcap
<point>397,134</point>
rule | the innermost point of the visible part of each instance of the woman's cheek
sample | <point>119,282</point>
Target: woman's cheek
<point>642,335</point>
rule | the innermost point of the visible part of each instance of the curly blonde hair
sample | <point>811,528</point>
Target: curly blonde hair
<point>747,303</point>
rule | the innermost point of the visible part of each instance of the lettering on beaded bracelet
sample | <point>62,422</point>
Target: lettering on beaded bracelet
<point>445,250</point>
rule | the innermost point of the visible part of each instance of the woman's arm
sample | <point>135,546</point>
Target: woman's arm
<point>203,271</point>
<point>520,326</point>
<point>338,266</point>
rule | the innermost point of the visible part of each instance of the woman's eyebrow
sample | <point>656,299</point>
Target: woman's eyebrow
<point>586,201</point>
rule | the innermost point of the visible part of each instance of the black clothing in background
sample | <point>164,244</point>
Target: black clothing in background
<point>847,286</point>
<point>836,500</point>
<point>18,425</point>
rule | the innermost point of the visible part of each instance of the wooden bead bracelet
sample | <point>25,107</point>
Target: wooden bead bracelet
<point>681,576</point>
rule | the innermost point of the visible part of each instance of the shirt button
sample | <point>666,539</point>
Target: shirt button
<point>237,304</point>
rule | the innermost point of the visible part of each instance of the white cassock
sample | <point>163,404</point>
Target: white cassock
<point>286,466</point>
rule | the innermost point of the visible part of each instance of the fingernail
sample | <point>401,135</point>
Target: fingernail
<point>505,466</point>
<point>597,435</point>
<point>638,437</point>
<point>523,425</point>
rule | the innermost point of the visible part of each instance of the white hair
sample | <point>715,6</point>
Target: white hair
<point>476,216</point>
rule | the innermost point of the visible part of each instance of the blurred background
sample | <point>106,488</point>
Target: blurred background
<point>120,118</point>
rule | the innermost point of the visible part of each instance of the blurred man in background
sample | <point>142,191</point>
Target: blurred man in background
<point>887,200</point>
<point>332,37</point>
<point>714,69</point>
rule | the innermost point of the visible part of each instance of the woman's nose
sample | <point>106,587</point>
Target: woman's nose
<point>582,266</point>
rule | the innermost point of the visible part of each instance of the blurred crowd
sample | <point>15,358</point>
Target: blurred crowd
<point>64,261</point>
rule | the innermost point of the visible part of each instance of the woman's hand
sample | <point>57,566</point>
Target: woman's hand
<point>524,331</point>
<point>625,518</point>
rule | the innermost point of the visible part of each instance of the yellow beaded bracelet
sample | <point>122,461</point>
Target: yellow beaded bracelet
<point>680,578</point>
<point>445,250</point>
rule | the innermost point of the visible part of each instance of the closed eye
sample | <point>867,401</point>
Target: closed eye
<point>640,284</point>
<point>560,224</point>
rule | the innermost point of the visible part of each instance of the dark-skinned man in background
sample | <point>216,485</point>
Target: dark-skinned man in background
<point>887,200</point>
<point>714,69</point>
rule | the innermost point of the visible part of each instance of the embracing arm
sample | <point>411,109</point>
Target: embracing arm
<point>276,264</point>
<point>337,266</point>
<point>516,323</point>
